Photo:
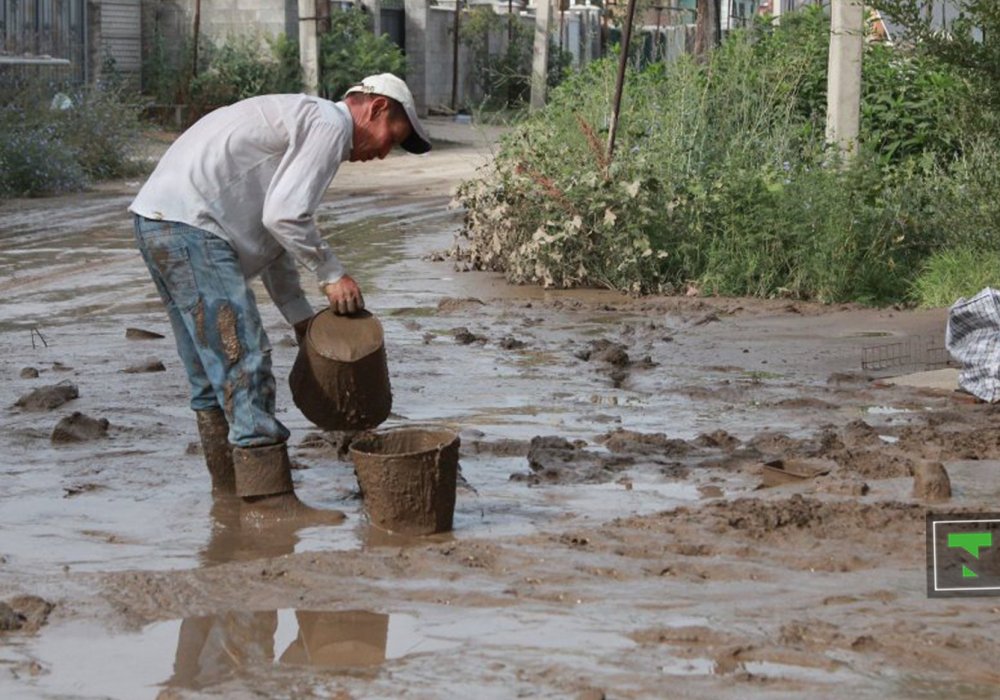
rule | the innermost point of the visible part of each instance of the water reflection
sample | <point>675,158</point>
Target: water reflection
<point>233,540</point>
<point>214,648</point>
<point>373,537</point>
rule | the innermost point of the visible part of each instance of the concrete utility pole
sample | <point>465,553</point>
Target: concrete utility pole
<point>843,87</point>
<point>540,55</point>
<point>309,46</point>
<point>376,9</point>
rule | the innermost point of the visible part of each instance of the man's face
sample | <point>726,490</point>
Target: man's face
<point>378,130</point>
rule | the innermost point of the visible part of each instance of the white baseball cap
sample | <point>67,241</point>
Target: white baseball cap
<point>388,85</point>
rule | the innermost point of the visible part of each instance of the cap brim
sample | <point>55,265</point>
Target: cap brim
<point>417,142</point>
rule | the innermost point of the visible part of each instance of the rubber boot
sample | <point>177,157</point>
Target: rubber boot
<point>264,482</point>
<point>214,432</point>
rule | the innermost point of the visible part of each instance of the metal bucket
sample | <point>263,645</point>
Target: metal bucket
<point>340,379</point>
<point>407,478</point>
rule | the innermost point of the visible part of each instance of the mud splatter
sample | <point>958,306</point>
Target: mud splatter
<point>199,321</point>
<point>227,400</point>
<point>226,324</point>
<point>161,258</point>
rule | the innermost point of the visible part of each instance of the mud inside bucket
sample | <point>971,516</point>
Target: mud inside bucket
<point>407,478</point>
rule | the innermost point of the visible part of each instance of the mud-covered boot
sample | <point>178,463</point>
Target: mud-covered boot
<point>264,482</point>
<point>214,432</point>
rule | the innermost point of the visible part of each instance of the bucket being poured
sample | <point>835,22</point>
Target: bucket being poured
<point>340,379</point>
<point>407,478</point>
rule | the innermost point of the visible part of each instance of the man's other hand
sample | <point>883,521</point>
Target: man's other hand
<point>344,296</point>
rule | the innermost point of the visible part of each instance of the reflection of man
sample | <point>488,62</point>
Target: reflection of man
<point>331,639</point>
<point>234,197</point>
<point>214,648</point>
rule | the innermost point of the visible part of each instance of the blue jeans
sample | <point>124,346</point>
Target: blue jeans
<point>217,327</point>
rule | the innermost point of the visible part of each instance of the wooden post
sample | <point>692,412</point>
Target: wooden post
<point>196,31</point>
<point>620,82</point>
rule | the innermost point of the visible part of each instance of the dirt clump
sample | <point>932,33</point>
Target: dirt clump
<point>983,442</point>
<point>874,463</point>
<point>29,373</point>
<point>502,447</point>
<point>766,520</point>
<point>646,444</point>
<point>463,336</point>
<point>509,342</point>
<point>931,482</point>
<point>604,351</point>
<point>142,334</point>
<point>151,365</point>
<point>778,444</point>
<point>79,427</point>
<point>24,613</point>
<point>718,438</point>
<point>46,398</point>
<point>770,520</point>
<point>556,460</point>
<point>449,305</point>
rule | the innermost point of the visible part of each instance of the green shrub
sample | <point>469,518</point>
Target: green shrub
<point>350,51</point>
<point>239,69</point>
<point>102,129</point>
<point>35,162</point>
<point>56,145</point>
<point>721,178</point>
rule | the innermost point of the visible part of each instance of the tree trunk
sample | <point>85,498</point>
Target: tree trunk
<point>708,32</point>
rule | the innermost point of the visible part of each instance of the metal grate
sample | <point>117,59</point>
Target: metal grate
<point>910,354</point>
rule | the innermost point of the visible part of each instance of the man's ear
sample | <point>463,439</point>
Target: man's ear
<point>379,106</point>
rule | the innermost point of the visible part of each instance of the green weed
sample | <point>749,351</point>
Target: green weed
<point>948,275</point>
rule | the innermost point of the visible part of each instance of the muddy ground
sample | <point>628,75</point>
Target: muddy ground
<point>612,536</point>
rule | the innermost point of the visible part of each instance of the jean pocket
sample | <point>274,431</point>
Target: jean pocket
<point>172,262</point>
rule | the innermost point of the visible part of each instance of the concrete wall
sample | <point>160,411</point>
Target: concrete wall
<point>221,18</point>
<point>439,57</point>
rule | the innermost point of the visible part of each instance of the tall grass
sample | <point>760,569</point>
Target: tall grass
<point>951,274</point>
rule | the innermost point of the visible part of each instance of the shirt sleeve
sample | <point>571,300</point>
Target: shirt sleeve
<point>281,280</point>
<point>316,148</point>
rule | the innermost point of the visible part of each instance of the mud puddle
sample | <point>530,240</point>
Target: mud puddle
<point>303,648</point>
<point>611,533</point>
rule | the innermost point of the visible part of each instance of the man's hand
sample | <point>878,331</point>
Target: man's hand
<point>344,296</point>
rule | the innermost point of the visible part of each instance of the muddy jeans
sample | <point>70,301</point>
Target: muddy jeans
<point>217,327</point>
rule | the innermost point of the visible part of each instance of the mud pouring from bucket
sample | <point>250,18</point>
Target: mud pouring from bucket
<point>408,478</point>
<point>340,379</point>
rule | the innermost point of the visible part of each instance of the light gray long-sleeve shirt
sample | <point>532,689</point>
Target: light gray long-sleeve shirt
<point>253,173</point>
